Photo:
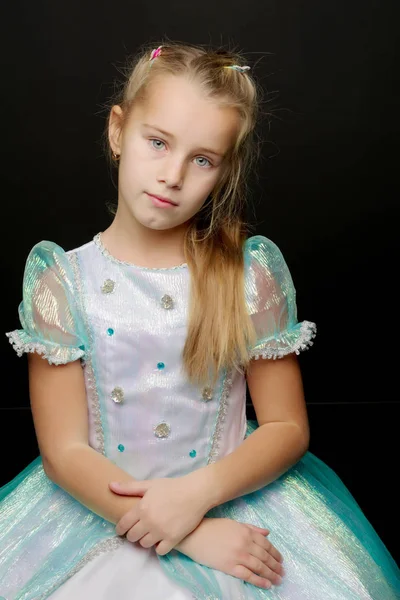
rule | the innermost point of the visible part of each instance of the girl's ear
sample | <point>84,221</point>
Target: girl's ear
<point>115,128</point>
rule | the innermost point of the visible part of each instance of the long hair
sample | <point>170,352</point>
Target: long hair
<point>220,331</point>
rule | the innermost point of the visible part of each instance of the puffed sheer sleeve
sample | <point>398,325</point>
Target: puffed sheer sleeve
<point>271,300</point>
<point>49,315</point>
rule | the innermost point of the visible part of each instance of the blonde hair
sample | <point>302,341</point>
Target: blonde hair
<point>220,331</point>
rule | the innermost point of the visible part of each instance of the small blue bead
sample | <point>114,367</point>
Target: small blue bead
<point>110,331</point>
<point>160,365</point>
<point>192,453</point>
<point>121,447</point>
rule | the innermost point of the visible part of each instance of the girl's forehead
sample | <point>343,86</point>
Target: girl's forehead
<point>181,108</point>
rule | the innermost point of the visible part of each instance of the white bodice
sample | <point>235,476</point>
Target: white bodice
<point>143,413</point>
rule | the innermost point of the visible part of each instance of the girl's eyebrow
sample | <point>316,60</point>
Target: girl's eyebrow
<point>170,135</point>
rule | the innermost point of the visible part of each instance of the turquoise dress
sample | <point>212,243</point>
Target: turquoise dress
<point>126,325</point>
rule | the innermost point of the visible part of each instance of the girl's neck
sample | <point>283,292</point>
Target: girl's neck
<point>149,248</point>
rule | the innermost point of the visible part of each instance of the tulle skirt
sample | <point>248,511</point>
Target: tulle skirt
<point>53,547</point>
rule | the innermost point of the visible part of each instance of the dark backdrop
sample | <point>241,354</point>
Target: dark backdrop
<point>325,193</point>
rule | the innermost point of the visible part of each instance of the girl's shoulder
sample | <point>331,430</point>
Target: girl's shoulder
<point>263,250</point>
<point>48,254</point>
<point>50,312</point>
<point>48,249</point>
<point>48,264</point>
<point>257,242</point>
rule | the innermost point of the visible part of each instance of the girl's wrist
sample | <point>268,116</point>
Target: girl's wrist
<point>186,544</point>
<point>207,487</point>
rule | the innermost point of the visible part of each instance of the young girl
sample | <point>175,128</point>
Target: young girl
<point>150,482</point>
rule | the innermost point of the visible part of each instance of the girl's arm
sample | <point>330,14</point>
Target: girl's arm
<point>59,410</point>
<point>276,389</point>
<point>282,438</point>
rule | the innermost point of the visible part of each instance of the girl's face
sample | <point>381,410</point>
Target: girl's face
<point>174,145</point>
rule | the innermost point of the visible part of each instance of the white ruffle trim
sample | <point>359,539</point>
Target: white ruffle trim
<point>308,330</point>
<point>55,355</point>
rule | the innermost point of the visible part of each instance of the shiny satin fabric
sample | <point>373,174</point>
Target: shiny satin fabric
<point>127,326</point>
<point>330,550</point>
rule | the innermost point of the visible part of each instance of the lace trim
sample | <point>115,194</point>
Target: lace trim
<point>308,330</point>
<point>93,394</point>
<point>103,546</point>
<point>105,252</point>
<point>58,355</point>
<point>222,410</point>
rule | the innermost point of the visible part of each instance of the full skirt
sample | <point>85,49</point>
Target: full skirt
<point>53,547</point>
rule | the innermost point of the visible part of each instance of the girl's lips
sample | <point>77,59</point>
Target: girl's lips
<point>159,202</point>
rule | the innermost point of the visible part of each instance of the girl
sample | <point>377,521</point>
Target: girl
<point>150,483</point>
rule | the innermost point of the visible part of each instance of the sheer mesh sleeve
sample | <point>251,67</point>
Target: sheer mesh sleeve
<point>271,300</point>
<point>48,313</point>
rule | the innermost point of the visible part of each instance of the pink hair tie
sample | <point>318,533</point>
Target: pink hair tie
<point>156,52</point>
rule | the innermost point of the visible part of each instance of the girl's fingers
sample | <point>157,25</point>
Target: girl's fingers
<point>270,548</point>
<point>164,547</point>
<point>259,529</point>
<point>275,568</point>
<point>242,572</point>
<point>257,566</point>
<point>148,540</point>
<point>136,532</point>
<point>125,523</point>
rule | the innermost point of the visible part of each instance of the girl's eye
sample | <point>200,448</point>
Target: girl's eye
<point>155,144</point>
<point>156,140</point>
<point>206,159</point>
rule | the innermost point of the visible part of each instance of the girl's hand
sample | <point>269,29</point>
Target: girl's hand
<point>168,511</point>
<point>235,548</point>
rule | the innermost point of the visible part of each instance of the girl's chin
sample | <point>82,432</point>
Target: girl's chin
<point>156,224</point>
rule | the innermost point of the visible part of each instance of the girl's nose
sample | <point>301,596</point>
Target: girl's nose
<point>172,173</point>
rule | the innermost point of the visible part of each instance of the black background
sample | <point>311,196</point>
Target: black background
<point>325,192</point>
